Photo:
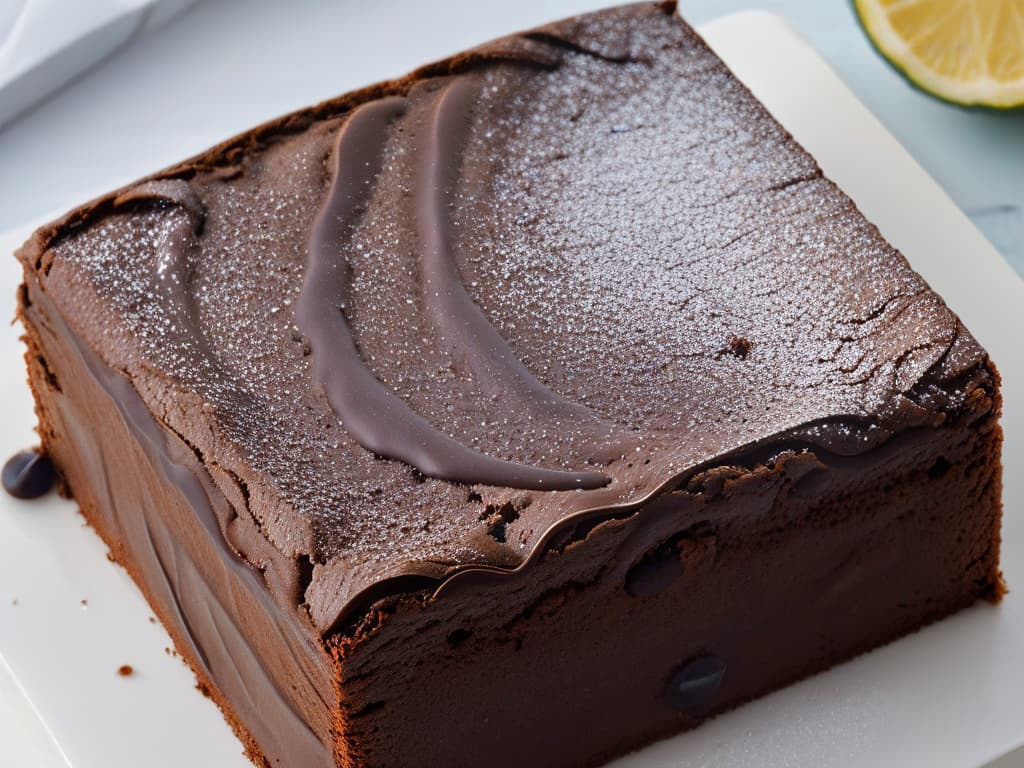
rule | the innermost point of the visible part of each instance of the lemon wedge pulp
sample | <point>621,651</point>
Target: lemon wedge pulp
<point>969,52</point>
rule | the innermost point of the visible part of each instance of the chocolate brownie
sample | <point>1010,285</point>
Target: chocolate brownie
<point>521,411</point>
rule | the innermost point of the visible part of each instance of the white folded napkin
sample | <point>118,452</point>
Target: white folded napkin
<point>44,44</point>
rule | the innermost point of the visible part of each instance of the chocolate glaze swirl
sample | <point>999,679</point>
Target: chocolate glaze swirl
<point>460,321</point>
<point>372,414</point>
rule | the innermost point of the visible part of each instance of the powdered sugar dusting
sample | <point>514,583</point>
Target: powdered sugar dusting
<point>648,241</point>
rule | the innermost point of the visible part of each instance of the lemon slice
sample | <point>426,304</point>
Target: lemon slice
<point>969,52</point>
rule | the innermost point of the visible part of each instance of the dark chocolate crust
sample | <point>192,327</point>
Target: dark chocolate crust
<point>671,311</point>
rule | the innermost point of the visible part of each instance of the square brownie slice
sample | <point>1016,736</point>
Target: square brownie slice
<point>521,411</point>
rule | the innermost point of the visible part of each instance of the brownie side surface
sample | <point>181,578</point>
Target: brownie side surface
<point>156,506</point>
<point>672,285</point>
<point>769,571</point>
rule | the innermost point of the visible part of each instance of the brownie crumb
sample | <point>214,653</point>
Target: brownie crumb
<point>737,346</point>
<point>498,520</point>
<point>125,670</point>
<point>152,620</point>
<point>84,603</point>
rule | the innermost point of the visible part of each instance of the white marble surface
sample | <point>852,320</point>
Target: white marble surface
<point>226,65</point>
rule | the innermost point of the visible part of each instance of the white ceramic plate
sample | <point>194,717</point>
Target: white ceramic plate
<point>952,695</point>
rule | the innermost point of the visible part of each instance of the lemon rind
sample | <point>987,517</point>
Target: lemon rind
<point>978,91</point>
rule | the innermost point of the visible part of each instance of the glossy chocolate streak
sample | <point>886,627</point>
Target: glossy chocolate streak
<point>169,191</point>
<point>459,320</point>
<point>172,277</point>
<point>369,411</point>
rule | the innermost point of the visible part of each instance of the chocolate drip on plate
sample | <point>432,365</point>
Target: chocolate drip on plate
<point>28,474</point>
<point>375,416</point>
